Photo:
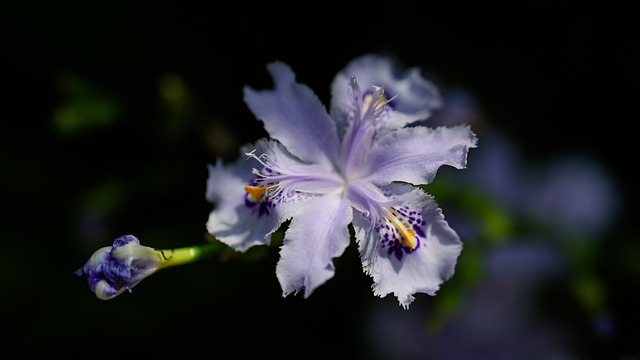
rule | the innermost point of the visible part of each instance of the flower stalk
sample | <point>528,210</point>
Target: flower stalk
<point>189,254</point>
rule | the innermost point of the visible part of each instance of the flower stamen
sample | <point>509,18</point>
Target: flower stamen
<point>256,192</point>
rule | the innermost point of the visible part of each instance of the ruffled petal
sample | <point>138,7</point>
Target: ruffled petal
<point>406,266</point>
<point>415,97</point>
<point>414,154</point>
<point>315,236</point>
<point>293,115</point>
<point>236,220</point>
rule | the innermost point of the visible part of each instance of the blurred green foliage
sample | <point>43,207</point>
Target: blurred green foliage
<point>85,107</point>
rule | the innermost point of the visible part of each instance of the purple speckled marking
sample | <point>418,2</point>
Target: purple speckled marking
<point>391,236</point>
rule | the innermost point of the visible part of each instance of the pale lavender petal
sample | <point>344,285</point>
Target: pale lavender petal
<point>401,270</point>
<point>315,236</point>
<point>293,115</point>
<point>414,154</point>
<point>235,221</point>
<point>415,97</point>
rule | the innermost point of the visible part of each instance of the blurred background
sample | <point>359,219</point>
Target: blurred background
<point>112,111</point>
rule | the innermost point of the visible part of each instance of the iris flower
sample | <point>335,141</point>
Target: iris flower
<point>358,164</point>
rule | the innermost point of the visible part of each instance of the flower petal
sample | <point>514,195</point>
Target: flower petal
<point>293,115</point>
<point>414,154</point>
<point>315,236</point>
<point>415,99</point>
<point>234,221</point>
<point>421,268</point>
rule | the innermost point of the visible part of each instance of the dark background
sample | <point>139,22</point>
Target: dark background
<point>557,77</point>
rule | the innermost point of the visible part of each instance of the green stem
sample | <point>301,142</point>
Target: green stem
<point>185,255</point>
